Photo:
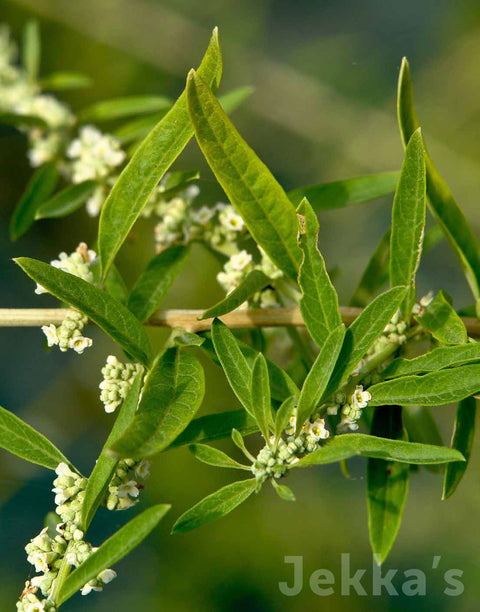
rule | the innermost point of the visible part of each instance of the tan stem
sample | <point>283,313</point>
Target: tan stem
<point>188,319</point>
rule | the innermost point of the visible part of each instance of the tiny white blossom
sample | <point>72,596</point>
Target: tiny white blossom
<point>80,343</point>
<point>128,489</point>
<point>36,606</point>
<point>230,219</point>
<point>107,575</point>
<point>203,215</point>
<point>63,470</point>
<point>39,560</point>
<point>240,260</point>
<point>143,469</point>
<point>50,332</point>
<point>88,588</point>
<point>360,398</point>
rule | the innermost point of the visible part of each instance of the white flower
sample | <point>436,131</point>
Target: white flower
<point>56,114</point>
<point>39,560</point>
<point>230,219</point>
<point>107,575</point>
<point>128,489</point>
<point>63,470</point>
<point>203,215</point>
<point>95,201</point>
<point>332,410</point>
<point>43,147</point>
<point>318,430</point>
<point>50,332</point>
<point>239,261</point>
<point>39,290</point>
<point>80,343</point>
<point>94,154</point>
<point>143,469</point>
<point>360,365</point>
<point>360,398</point>
<point>89,587</point>
<point>36,606</point>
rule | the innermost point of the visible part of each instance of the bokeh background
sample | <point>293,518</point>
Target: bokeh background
<point>324,74</point>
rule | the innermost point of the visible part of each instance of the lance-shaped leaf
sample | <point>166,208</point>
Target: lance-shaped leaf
<point>109,314</point>
<point>38,189</point>
<point>387,485</point>
<point>254,282</point>
<point>319,375</point>
<point>22,121</point>
<point>463,435</point>
<point>338,194</point>
<point>66,201</point>
<point>351,445</point>
<point>175,182</point>
<point>23,441</point>
<point>215,506</point>
<point>155,281</point>
<point>439,358</point>
<point>442,321</point>
<point>171,396</point>
<point>442,203</point>
<point>31,50</point>
<point>213,427</point>
<point>233,362</point>
<point>118,108</point>
<point>135,130</point>
<point>59,81</point>
<point>148,165</point>
<point>213,456</point>
<point>105,465</point>
<point>434,389</point>
<point>319,301</point>
<point>261,401</point>
<point>408,221</point>
<point>282,491</point>
<point>235,98</point>
<point>251,188</point>
<point>112,550</point>
<point>421,426</point>
<point>363,332</point>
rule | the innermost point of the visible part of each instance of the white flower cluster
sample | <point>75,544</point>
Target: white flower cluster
<point>422,303</point>
<point>123,490</point>
<point>351,408</point>
<point>29,602</point>
<point>118,377</point>
<point>275,464</point>
<point>68,335</point>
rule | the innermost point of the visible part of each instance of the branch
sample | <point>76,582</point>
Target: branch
<point>188,319</point>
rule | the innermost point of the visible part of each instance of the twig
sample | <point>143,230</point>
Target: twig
<point>188,319</point>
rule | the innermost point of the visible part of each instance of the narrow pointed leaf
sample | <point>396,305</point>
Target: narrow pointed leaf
<point>283,492</point>
<point>112,550</point>
<point>38,190</point>
<point>442,203</point>
<point>239,442</point>
<point>408,221</point>
<point>235,98</point>
<point>376,274</point>
<point>135,130</point>
<point>129,106</point>
<point>105,465</point>
<point>155,281</point>
<point>319,301</point>
<point>213,427</point>
<point>261,402</point>
<point>434,389</point>
<point>233,362</point>
<point>215,457</point>
<point>387,486</point>
<point>254,282</point>
<point>215,506</point>
<point>338,194</point>
<point>318,377</point>
<point>463,436</point>
<point>148,165</point>
<point>421,426</point>
<point>251,188</point>
<point>59,81</point>
<point>111,316</point>
<point>23,441</point>
<point>22,121</point>
<point>66,201</point>
<point>172,394</point>
<point>443,322</point>
<point>31,50</point>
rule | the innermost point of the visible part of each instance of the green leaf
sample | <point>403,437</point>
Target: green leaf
<point>250,187</point>
<point>213,427</point>
<point>376,274</point>
<point>148,165</point>
<point>463,435</point>
<point>31,49</point>
<point>318,377</point>
<point>115,285</point>
<point>235,98</point>
<point>180,337</point>
<point>437,359</point>
<point>282,491</point>
<point>66,201</point>
<point>128,106</point>
<point>172,394</point>
<point>137,129</point>
<point>240,443</point>
<point>112,550</point>
<point>387,486</point>
<point>442,321</point>
<point>106,464</point>
<point>338,194</point>
<point>254,282</point>
<point>233,362</point>
<point>442,203</point>
<point>23,441</point>
<point>22,121</point>
<point>215,506</point>
<point>261,401</point>
<point>38,189</point>
<point>111,316</point>
<point>283,415</point>
<point>434,389</point>
<point>422,427</point>
<point>215,457</point>
<point>176,182</point>
<point>59,81</point>
<point>408,222</point>
<point>319,301</point>
<point>155,281</point>
<point>351,445</point>
<point>363,332</point>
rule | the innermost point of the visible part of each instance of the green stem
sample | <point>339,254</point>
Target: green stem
<point>63,572</point>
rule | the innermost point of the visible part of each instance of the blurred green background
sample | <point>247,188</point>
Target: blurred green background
<point>324,74</point>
